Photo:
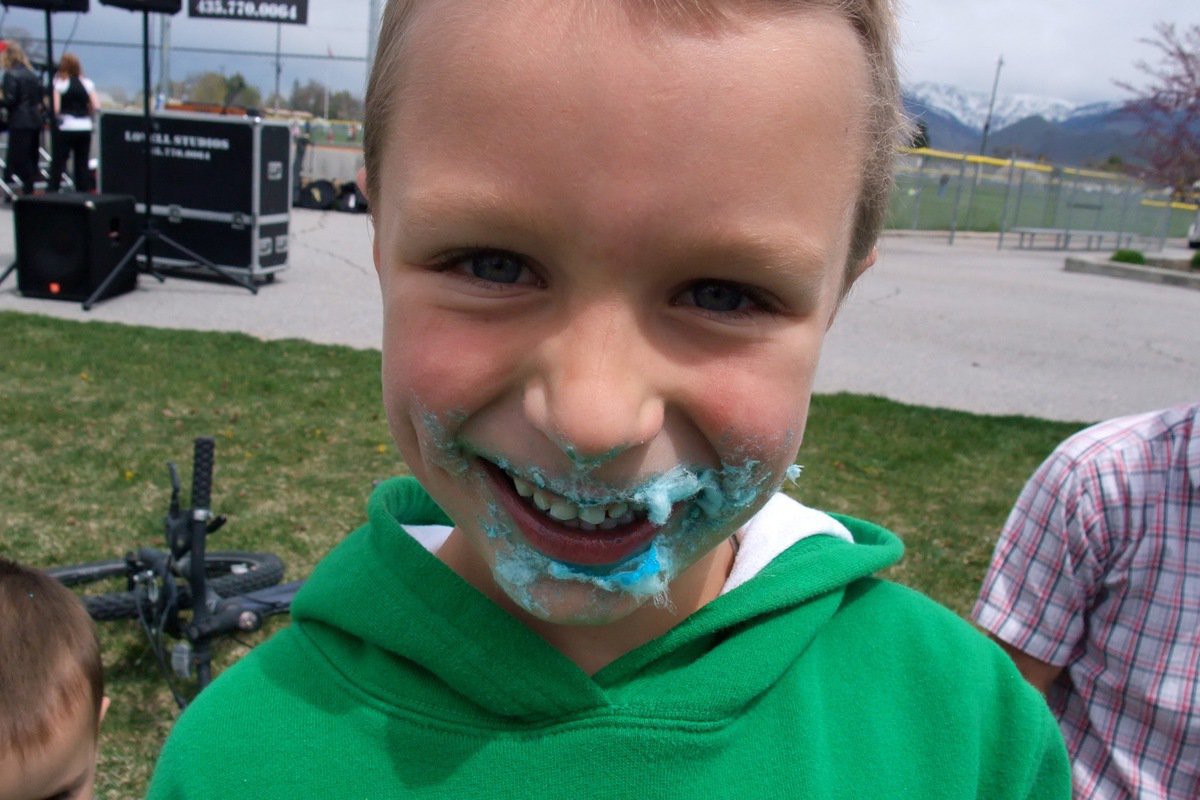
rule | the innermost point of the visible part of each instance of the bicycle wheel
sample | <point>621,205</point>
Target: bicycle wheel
<point>229,573</point>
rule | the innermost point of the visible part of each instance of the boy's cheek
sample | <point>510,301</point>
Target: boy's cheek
<point>749,417</point>
<point>448,370</point>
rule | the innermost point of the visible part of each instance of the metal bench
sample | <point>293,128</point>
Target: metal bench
<point>1063,237</point>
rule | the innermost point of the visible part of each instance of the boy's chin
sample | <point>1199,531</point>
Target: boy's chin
<point>570,602</point>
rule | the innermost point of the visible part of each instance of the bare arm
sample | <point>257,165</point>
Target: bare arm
<point>1038,673</point>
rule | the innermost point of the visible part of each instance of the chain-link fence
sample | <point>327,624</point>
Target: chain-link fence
<point>1031,203</point>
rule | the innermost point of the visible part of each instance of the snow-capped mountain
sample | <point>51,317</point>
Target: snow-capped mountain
<point>970,108</point>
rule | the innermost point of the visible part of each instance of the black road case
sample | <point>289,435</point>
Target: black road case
<point>220,185</point>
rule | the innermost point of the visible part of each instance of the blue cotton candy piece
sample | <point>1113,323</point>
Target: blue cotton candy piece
<point>645,575</point>
<point>662,493</point>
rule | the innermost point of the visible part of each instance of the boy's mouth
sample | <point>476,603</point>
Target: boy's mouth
<point>582,534</point>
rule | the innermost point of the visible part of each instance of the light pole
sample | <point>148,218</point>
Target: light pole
<point>278,66</point>
<point>987,123</point>
<point>164,57</point>
<point>372,32</point>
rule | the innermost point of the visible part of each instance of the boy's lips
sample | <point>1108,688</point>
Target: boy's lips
<point>569,542</point>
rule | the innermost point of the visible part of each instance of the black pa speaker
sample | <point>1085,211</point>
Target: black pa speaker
<point>50,5</point>
<point>67,244</point>
<point>160,6</point>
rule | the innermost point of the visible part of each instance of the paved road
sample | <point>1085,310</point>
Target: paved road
<point>965,327</point>
<point>969,327</point>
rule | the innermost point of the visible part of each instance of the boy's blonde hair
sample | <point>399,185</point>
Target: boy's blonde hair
<point>49,658</point>
<point>872,20</point>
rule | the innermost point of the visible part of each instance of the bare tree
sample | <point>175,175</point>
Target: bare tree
<point>1168,106</point>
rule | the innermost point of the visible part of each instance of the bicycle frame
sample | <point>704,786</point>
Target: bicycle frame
<point>162,586</point>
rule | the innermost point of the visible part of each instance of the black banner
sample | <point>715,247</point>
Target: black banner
<point>290,11</point>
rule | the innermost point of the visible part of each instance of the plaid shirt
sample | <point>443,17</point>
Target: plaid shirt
<point>1098,571</point>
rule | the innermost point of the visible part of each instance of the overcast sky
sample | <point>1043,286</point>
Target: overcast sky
<point>1069,49</point>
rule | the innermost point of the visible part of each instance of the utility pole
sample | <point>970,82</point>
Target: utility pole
<point>987,123</point>
<point>278,66</point>
<point>372,32</point>
<point>164,57</point>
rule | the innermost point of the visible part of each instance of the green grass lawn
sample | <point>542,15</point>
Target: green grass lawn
<point>91,412</point>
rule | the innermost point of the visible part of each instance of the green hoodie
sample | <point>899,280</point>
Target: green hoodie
<point>813,679</point>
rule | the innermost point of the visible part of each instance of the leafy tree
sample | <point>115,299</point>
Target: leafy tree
<point>213,87</point>
<point>1114,164</point>
<point>311,97</point>
<point>308,97</point>
<point>344,105</point>
<point>1168,106</point>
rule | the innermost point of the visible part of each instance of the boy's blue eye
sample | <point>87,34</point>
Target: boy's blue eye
<point>718,296</point>
<point>495,267</point>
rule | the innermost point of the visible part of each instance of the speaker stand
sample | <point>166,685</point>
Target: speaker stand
<point>149,233</point>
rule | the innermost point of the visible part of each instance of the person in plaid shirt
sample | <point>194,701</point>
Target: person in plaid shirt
<point>1094,589</point>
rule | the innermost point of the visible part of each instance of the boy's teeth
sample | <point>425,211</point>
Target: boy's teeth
<point>595,516</point>
<point>592,514</point>
<point>564,510</point>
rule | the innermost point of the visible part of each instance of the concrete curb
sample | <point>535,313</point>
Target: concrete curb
<point>1136,272</point>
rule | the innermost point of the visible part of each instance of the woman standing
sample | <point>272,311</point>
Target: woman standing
<point>75,102</point>
<point>23,101</point>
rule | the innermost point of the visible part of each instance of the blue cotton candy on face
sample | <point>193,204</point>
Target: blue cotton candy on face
<point>715,493</point>
<point>660,494</point>
<point>644,575</point>
<point>695,509</point>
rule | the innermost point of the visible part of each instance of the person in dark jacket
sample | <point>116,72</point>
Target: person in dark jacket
<point>75,102</point>
<point>23,101</point>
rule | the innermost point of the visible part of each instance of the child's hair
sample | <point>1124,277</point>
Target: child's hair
<point>14,54</point>
<point>872,20</point>
<point>49,658</point>
<point>69,66</point>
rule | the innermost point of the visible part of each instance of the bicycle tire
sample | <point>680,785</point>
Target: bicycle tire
<point>231,573</point>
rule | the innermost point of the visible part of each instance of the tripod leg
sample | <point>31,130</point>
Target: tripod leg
<point>204,262</point>
<point>125,263</point>
<point>8,271</point>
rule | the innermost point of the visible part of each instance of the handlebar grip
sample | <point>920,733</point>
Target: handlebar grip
<point>229,617</point>
<point>202,473</point>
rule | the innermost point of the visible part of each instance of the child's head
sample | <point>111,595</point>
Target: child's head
<point>610,238</point>
<point>51,689</point>
<point>13,55</point>
<point>69,65</point>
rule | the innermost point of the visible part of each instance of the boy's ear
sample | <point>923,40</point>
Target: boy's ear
<point>864,265</point>
<point>857,272</point>
<point>104,704</point>
<point>360,178</point>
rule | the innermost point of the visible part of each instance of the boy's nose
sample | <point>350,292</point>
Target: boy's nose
<point>596,393</point>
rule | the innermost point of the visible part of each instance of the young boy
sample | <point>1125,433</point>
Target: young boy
<point>610,236</point>
<point>51,689</point>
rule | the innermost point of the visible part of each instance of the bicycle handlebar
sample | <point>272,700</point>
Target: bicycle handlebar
<point>202,474</point>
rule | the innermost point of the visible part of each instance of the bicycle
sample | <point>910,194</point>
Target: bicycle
<point>239,589</point>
